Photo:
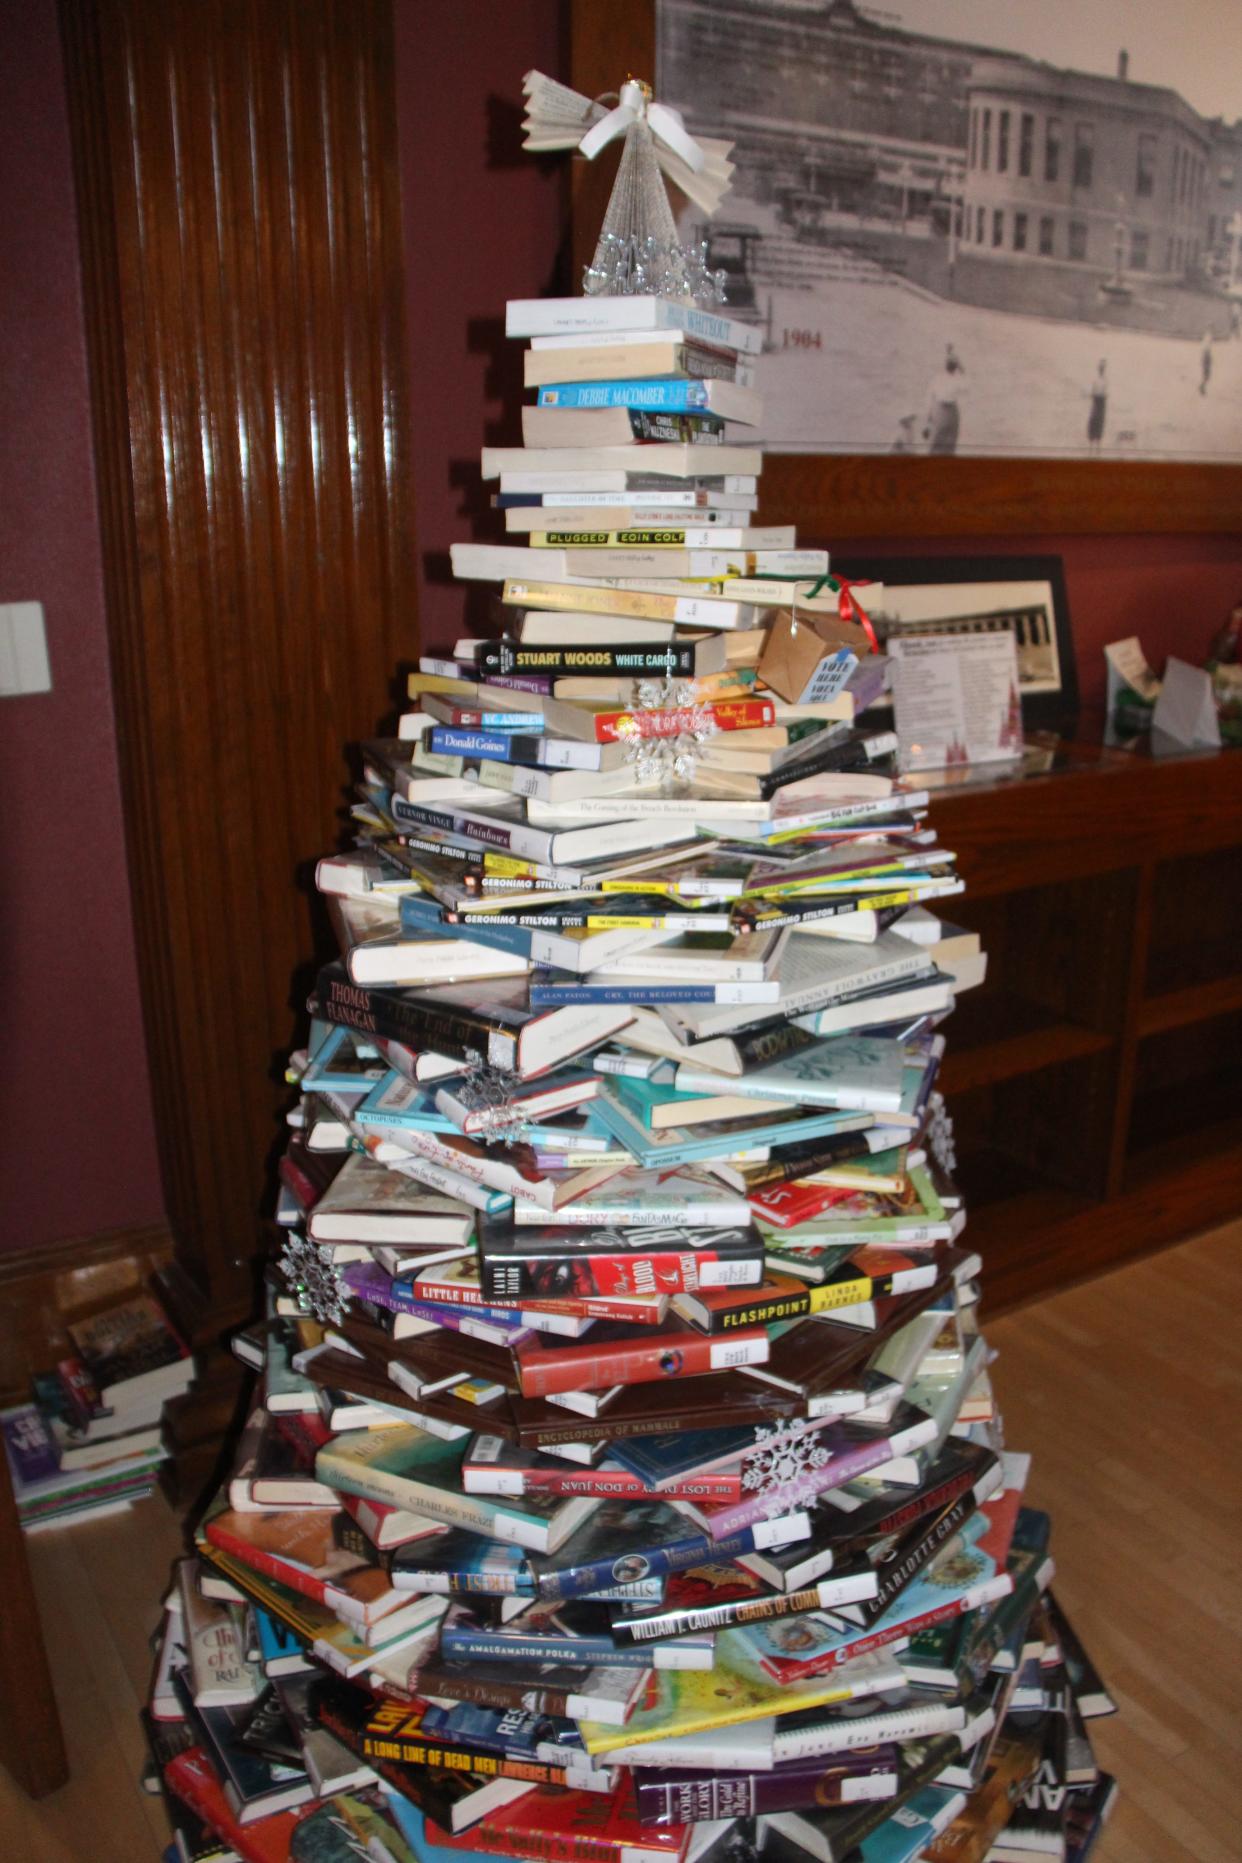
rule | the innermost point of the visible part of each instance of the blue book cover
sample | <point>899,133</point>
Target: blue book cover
<point>679,1146</point>
<point>912,1827</point>
<point>670,394</point>
<point>675,1453</point>
<point>551,989</point>
<point>413,1106</point>
<point>498,746</point>
<point>277,1643</point>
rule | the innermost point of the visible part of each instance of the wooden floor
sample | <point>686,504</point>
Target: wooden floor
<point>1128,1393</point>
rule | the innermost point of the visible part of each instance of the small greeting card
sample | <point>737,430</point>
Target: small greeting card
<point>955,699</point>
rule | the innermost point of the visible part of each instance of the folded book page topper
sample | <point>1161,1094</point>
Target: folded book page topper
<point>638,249</point>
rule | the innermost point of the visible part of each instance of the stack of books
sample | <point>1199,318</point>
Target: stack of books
<point>624,1479</point>
<point>90,1442</point>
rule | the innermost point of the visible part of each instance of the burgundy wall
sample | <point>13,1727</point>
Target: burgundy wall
<point>483,222</point>
<point>79,1146</point>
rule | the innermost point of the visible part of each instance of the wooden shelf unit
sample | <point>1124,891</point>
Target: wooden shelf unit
<point>1095,1079</point>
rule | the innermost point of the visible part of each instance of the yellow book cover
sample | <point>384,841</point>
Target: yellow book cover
<point>693,1701</point>
<point>687,605</point>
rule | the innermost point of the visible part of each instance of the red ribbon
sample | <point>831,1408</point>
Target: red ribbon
<point>849,608</point>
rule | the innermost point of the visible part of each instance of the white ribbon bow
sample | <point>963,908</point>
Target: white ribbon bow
<point>664,123</point>
<point>560,118</point>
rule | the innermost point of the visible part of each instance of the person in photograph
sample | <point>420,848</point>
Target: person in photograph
<point>1205,362</point>
<point>944,405</point>
<point>1098,393</point>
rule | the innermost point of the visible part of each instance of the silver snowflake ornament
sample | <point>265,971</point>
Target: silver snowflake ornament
<point>940,1138</point>
<point>315,1281</point>
<point>781,1470</point>
<point>487,1094</point>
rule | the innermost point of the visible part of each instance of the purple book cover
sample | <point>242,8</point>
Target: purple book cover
<point>683,1796</point>
<point>32,1452</point>
<point>368,1281</point>
<point>812,1478</point>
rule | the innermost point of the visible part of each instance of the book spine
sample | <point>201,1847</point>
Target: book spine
<point>928,1503</point>
<point>671,657</point>
<point>673,397</point>
<point>396,1018</point>
<point>667,1796</point>
<point>761,1311</point>
<point>505,1278</point>
<point>650,1627</point>
<point>461,1643</point>
<point>917,1723</point>
<point>434,1791</point>
<point>555,995</point>
<point>677,1556</point>
<point>715,609</point>
<point>497,746</point>
<point>895,1576</point>
<point>404,1751</point>
<point>787,1170</point>
<point>493,1693</point>
<point>590,1307</point>
<point>544,1371</point>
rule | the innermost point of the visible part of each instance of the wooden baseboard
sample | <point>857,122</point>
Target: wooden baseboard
<point>42,1288</point>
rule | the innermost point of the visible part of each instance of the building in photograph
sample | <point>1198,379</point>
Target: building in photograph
<point>1064,169</point>
<point>985,176</point>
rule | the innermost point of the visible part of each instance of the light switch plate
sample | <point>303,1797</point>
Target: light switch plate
<point>24,665</point>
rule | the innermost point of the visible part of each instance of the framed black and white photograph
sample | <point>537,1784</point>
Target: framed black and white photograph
<point>948,595</point>
<point>978,226</point>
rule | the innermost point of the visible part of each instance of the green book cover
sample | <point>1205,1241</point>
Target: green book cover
<point>410,1468</point>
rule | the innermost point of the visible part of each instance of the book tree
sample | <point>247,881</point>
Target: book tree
<point>624,1477</point>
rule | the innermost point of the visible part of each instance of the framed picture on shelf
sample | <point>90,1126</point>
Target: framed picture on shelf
<point>949,595</point>
<point>925,309</point>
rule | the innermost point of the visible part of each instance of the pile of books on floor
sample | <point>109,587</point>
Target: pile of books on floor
<point>624,1479</point>
<point>90,1441</point>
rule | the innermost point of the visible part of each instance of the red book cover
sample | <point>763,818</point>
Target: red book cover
<point>557,1826</point>
<point>595,1363</point>
<point>303,1430</point>
<point>787,1205</point>
<point>389,1526</point>
<point>267,1840</point>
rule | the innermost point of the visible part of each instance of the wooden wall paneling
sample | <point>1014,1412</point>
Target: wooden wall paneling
<point>241,240</point>
<point>876,494</point>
